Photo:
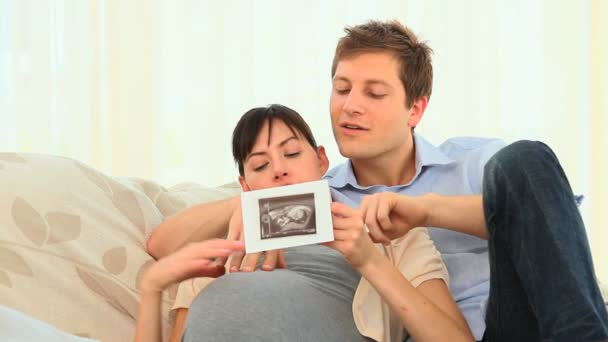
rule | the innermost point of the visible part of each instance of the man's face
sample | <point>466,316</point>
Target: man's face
<point>369,116</point>
<point>286,159</point>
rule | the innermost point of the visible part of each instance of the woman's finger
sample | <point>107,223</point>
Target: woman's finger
<point>270,260</point>
<point>282,263</point>
<point>251,260</point>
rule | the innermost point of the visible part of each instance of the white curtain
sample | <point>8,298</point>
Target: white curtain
<point>152,89</point>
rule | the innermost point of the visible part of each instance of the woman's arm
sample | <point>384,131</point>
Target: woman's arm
<point>427,312</point>
<point>148,326</point>
<point>198,223</point>
<point>194,260</point>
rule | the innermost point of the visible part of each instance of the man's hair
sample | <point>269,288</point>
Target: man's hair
<point>251,123</point>
<point>413,56</point>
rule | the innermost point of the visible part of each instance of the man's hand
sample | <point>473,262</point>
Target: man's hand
<point>247,263</point>
<point>388,215</point>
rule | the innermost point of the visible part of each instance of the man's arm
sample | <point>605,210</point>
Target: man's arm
<point>463,214</point>
<point>200,222</point>
<point>389,215</point>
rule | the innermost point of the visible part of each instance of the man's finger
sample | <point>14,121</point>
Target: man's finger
<point>383,214</point>
<point>377,235</point>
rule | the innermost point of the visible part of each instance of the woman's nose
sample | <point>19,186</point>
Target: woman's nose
<point>280,170</point>
<point>280,175</point>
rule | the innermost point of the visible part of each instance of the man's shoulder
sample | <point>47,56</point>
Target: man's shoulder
<point>339,170</point>
<point>461,146</point>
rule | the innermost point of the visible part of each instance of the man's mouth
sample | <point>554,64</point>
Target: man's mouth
<point>353,126</point>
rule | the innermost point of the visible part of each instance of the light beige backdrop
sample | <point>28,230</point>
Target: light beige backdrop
<point>153,88</point>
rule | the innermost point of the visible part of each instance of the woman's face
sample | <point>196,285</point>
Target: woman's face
<point>283,159</point>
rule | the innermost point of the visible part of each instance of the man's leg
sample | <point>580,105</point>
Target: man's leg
<point>542,284</point>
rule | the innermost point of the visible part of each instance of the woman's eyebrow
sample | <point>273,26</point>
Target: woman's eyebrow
<point>281,144</point>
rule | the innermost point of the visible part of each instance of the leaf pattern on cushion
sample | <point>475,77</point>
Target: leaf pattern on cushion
<point>95,177</point>
<point>11,157</point>
<point>122,198</point>
<point>5,280</point>
<point>152,190</point>
<point>115,260</point>
<point>63,226</point>
<point>29,221</point>
<point>115,294</point>
<point>10,260</point>
<point>126,202</point>
<point>142,270</point>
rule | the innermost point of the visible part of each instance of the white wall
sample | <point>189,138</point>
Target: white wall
<point>153,88</point>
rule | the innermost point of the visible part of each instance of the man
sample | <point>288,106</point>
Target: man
<point>539,283</point>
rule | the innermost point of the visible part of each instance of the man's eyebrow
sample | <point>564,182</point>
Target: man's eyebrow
<point>367,82</point>
<point>381,82</point>
<point>281,144</point>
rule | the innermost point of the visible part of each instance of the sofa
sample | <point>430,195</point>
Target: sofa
<point>72,247</point>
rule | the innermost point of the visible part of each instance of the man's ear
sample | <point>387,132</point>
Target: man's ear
<point>244,185</point>
<point>417,110</point>
<point>323,161</point>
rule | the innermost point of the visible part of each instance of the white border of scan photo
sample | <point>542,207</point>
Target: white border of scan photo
<point>251,219</point>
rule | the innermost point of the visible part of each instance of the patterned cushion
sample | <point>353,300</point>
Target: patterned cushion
<point>72,242</point>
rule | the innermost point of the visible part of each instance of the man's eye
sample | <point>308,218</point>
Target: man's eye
<point>291,155</point>
<point>260,168</point>
<point>376,96</point>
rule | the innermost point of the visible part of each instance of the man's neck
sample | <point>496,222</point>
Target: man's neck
<point>388,169</point>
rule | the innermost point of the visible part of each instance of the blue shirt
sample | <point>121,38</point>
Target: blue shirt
<point>453,168</point>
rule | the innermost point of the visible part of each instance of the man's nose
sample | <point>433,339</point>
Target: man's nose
<point>352,104</point>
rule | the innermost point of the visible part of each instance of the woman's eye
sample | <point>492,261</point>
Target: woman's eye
<point>342,91</point>
<point>291,155</point>
<point>260,168</point>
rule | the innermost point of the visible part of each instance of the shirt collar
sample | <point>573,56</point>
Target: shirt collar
<point>426,155</point>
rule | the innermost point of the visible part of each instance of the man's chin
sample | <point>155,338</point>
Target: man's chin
<point>355,153</point>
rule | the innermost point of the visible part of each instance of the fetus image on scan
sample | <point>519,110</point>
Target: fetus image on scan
<point>287,216</point>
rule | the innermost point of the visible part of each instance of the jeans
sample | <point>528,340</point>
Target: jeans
<point>542,281</point>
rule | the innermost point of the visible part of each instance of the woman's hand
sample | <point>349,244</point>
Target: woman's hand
<point>389,215</point>
<point>247,263</point>
<point>350,237</point>
<point>193,260</point>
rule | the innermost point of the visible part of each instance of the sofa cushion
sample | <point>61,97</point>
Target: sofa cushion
<point>72,242</point>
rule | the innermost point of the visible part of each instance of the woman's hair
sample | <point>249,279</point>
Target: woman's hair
<point>249,126</point>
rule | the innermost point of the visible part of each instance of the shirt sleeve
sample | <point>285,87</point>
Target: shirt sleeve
<point>478,160</point>
<point>188,290</point>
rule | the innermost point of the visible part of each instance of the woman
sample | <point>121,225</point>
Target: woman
<point>359,290</point>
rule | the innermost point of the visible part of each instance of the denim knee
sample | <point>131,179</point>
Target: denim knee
<point>516,158</point>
